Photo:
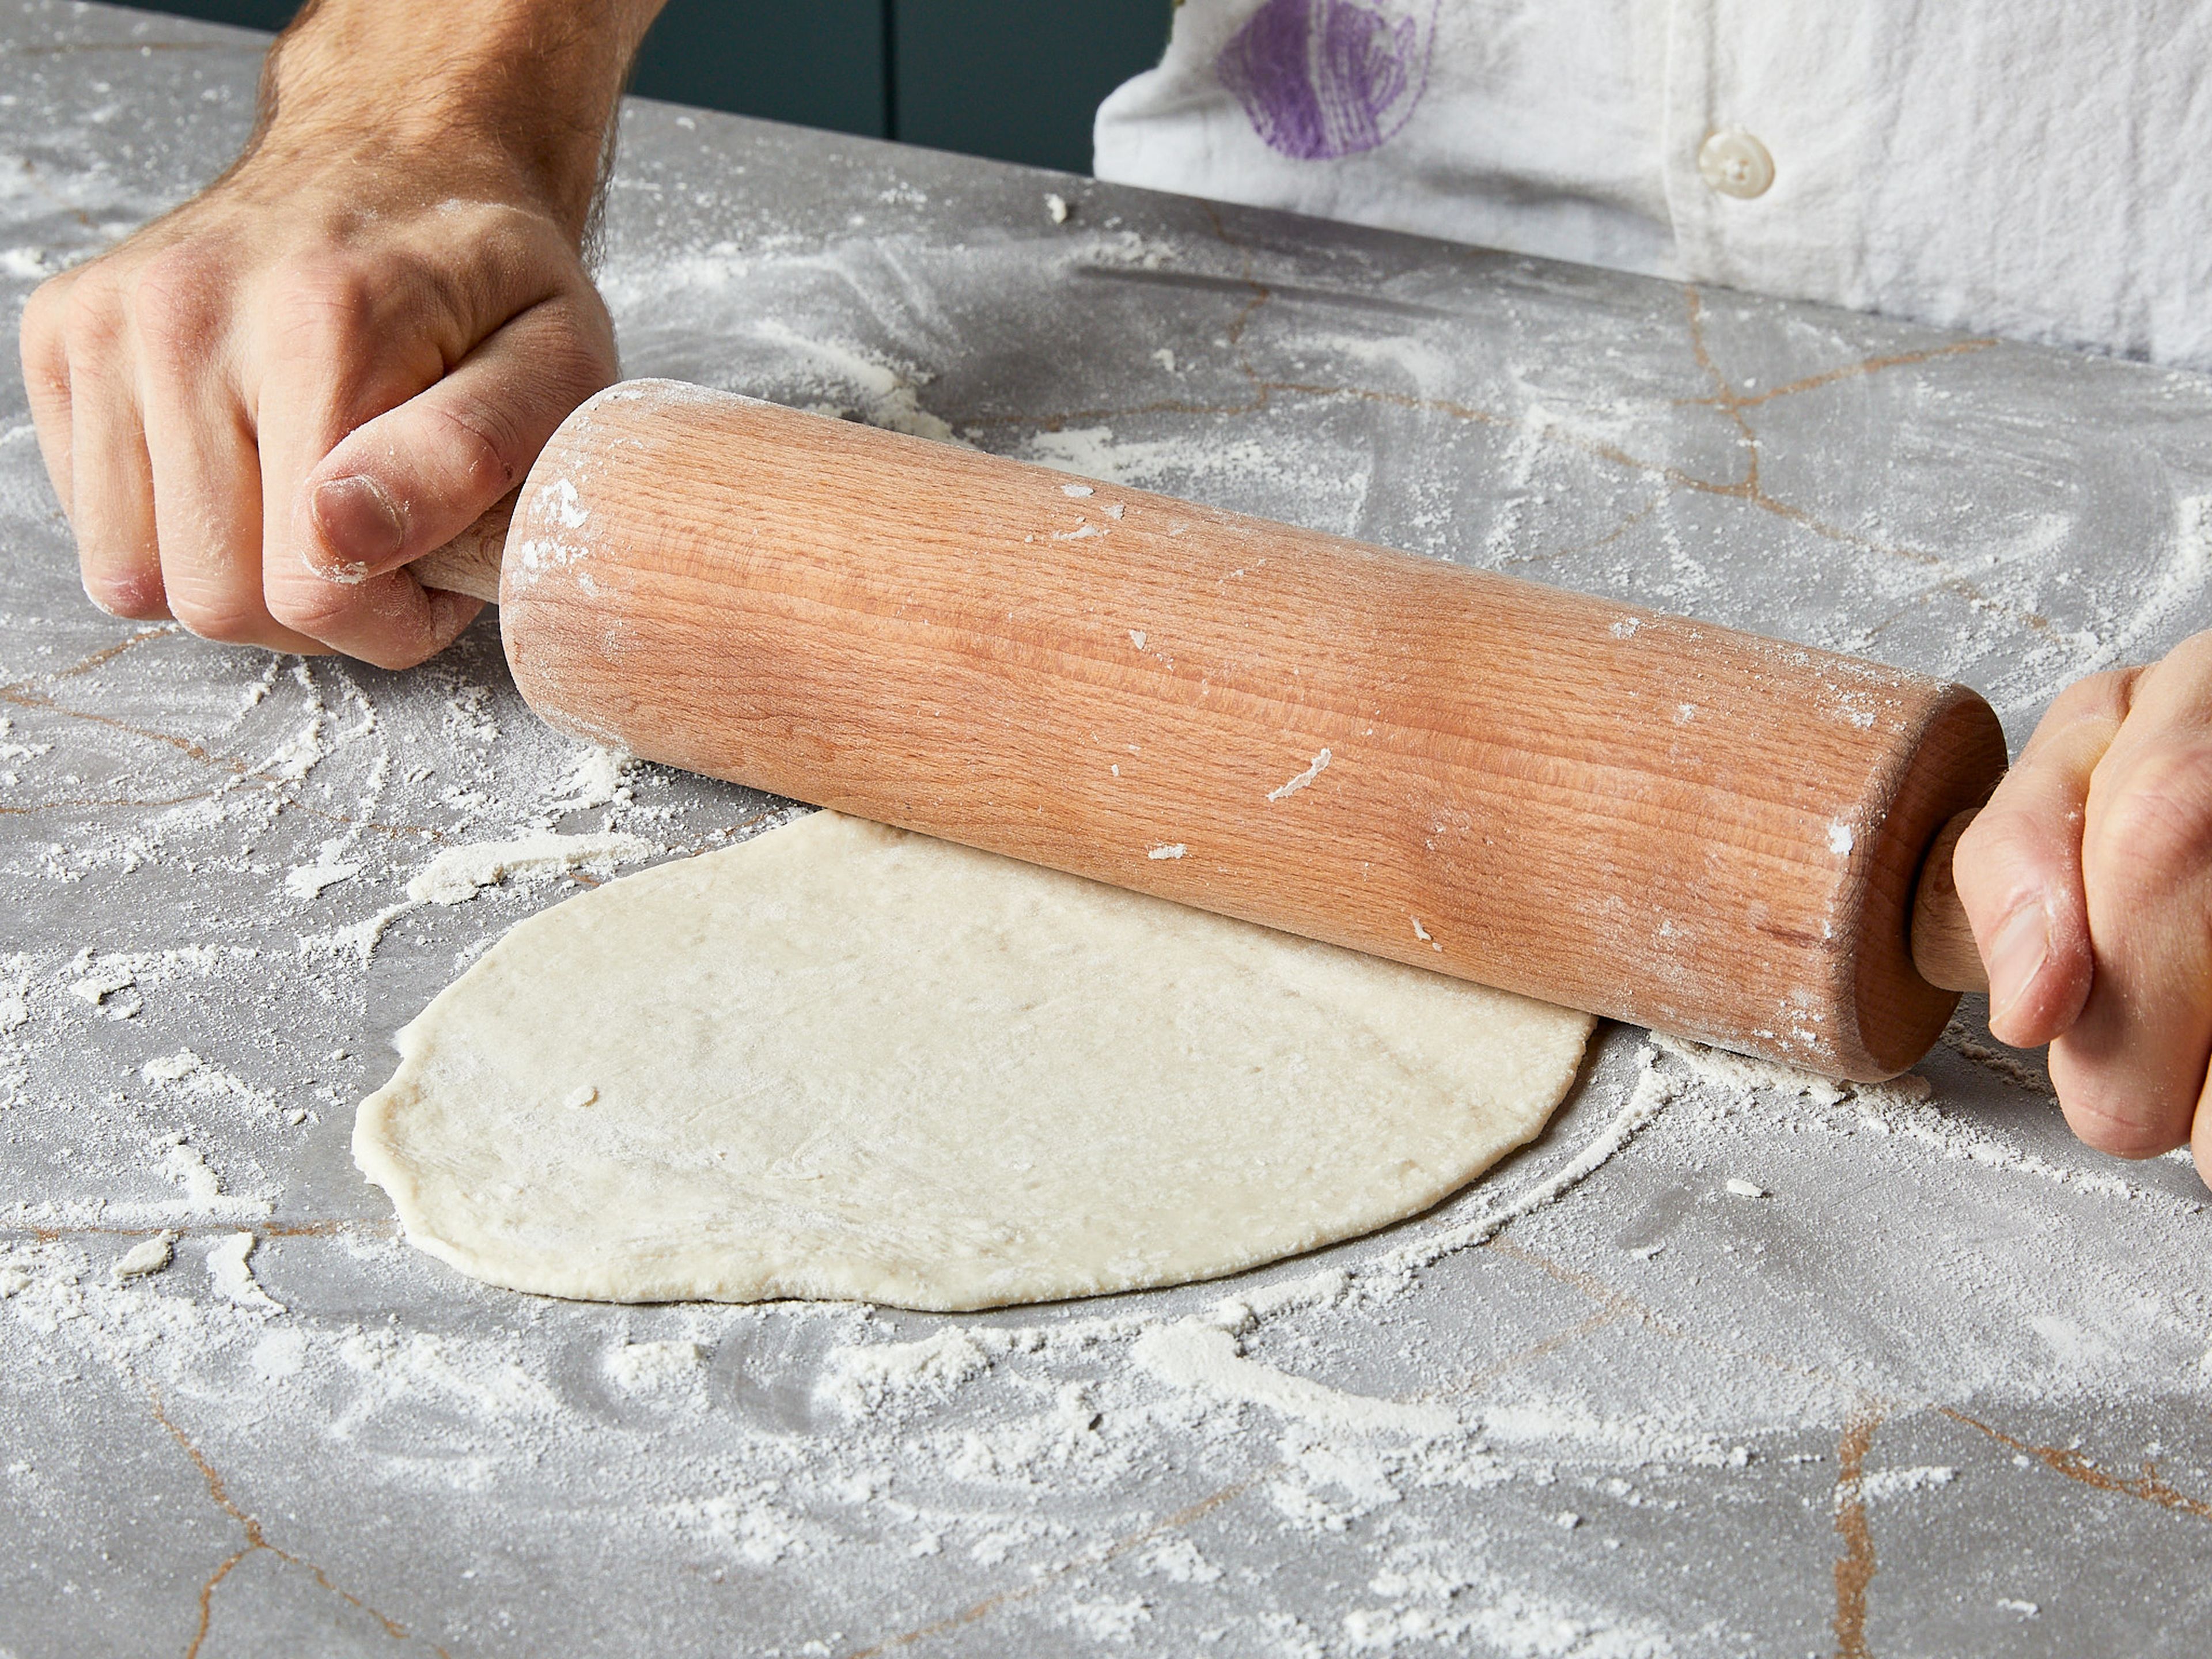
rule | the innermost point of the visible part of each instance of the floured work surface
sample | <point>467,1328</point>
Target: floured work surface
<point>840,1060</point>
<point>1933,1387</point>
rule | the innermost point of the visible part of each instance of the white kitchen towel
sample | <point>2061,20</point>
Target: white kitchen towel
<point>2024,167</point>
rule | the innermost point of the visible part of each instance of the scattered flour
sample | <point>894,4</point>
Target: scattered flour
<point>459,874</point>
<point>184,1075</point>
<point>644,1367</point>
<point>889,394</point>
<point>1879,1486</point>
<point>305,882</point>
<point>308,748</point>
<point>1741,1073</point>
<point>103,978</point>
<point>146,1257</point>
<point>1204,1360</point>
<point>1107,1621</point>
<point>863,1379</point>
<point>600,777</point>
<point>14,997</point>
<point>397,1370</point>
<point>1486,1614</point>
<point>1902,1107</point>
<point>1240,1314</point>
<point>748,1521</point>
<point>232,1275</point>
<point>203,1199</point>
<point>190,1170</point>
<point>2007,1063</point>
<point>357,940</point>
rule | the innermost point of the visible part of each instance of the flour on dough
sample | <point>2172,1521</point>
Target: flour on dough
<point>843,1061</point>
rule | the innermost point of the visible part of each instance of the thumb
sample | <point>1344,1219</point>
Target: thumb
<point>2018,868</point>
<point>410,480</point>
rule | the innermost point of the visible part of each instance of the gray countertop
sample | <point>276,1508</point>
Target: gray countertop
<point>1942,1388</point>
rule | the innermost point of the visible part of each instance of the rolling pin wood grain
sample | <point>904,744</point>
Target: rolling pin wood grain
<point>1665,822</point>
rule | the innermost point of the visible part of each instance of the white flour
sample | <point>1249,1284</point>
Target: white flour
<point>1202,1360</point>
<point>459,874</point>
<point>231,1274</point>
<point>889,396</point>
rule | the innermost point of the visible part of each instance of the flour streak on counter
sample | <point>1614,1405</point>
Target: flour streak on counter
<point>459,874</point>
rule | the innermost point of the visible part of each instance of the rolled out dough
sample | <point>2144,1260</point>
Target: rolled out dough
<point>840,1060</point>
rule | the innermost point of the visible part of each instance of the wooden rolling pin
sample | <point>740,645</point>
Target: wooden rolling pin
<point>1651,818</point>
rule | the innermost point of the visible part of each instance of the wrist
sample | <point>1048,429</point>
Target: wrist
<point>510,99</point>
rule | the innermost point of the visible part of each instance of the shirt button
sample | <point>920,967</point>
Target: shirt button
<point>1737,164</point>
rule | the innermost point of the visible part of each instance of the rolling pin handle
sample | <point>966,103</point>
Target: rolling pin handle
<point>1943,947</point>
<point>469,562</point>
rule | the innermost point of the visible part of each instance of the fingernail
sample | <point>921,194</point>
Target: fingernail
<point>2016,956</point>
<point>359,523</point>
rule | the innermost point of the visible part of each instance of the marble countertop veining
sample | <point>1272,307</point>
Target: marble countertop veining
<point>1730,1362</point>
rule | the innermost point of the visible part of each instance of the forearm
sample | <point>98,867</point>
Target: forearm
<point>509,96</point>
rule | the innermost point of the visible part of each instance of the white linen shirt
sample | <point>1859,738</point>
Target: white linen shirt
<point>2036,168</point>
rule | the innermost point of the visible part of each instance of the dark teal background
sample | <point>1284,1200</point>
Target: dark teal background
<point>1016,79</point>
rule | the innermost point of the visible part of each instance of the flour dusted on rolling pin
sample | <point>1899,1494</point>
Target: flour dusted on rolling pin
<point>1319,765</point>
<point>556,544</point>
<point>1660,820</point>
<point>549,528</point>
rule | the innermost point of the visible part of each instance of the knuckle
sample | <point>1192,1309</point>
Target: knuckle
<point>490,438</point>
<point>2002,858</point>
<point>45,313</point>
<point>303,614</point>
<point>2088,711</point>
<point>130,591</point>
<point>92,322</point>
<point>355,321</point>
<point>2115,1134</point>
<point>2155,834</point>
<point>2102,692</point>
<point>2097,695</point>
<point>321,300</point>
<point>585,362</point>
<point>176,300</point>
<point>222,618</point>
<point>312,606</point>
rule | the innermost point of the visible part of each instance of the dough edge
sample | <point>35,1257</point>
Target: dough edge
<point>704,1273</point>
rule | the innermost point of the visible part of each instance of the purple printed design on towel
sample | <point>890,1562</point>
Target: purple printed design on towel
<point>1324,78</point>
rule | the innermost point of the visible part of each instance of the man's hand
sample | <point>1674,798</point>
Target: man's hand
<point>260,407</point>
<point>2088,881</point>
